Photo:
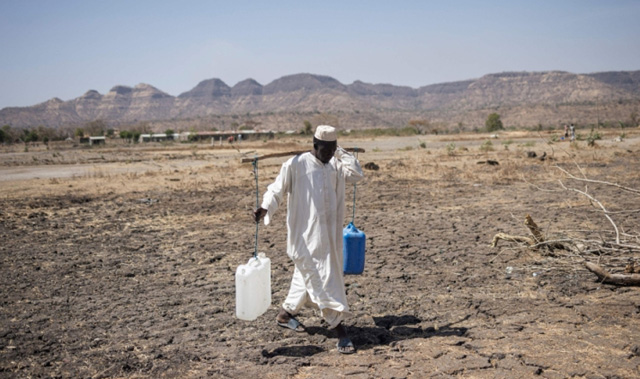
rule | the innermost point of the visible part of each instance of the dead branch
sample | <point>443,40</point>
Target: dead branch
<point>614,244</point>
<point>554,244</point>
<point>617,279</point>
<point>508,237</point>
<point>597,181</point>
<point>534,229</point>
<point>601,206</point>
<point>626,211</point>
<point>538,240</point>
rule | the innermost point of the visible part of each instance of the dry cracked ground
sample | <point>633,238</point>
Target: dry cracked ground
<point>125,267</point>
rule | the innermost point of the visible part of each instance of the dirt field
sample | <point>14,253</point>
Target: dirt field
<point>120,262</point>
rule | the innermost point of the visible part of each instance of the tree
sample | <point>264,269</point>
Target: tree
<point>169,133</point>
<point>143,127</point>
<point>47,134</point>
<point>30,136</point>
<point>11,135</point>
<point>307,128</point>
<point>125,134</point>
<point>79,132</point>
<point>422,126</point>
<point>96,127</point>
<point>493,123</point>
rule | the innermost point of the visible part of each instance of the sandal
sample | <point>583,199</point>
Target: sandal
<point>345,346</point>
<point>292,324</point>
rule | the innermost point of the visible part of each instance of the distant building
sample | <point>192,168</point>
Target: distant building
<point>158,137</point>
<point>224,135</point>
<point>101,140</point>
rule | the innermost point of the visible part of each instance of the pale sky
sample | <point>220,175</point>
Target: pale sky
<point>64,48</point>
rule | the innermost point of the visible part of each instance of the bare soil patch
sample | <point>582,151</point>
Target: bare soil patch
<point>113,273</point>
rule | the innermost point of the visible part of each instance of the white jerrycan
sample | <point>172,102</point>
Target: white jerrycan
<point>253,288</point>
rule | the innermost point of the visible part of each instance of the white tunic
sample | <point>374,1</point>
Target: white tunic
<point>315,218</point>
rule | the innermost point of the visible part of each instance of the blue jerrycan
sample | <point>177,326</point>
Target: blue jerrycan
<point>353,250</point>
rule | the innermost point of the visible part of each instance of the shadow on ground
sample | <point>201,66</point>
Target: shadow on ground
<point>388,329</point>
<point>293,351</point>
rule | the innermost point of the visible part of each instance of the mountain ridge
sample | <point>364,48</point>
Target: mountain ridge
<point>445,103</point>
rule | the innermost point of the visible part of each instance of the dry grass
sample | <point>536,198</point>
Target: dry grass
<point>446,161</point>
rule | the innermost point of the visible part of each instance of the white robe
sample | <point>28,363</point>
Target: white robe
<point>315,217</point>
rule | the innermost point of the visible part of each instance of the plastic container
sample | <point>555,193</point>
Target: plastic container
<point>253,288</point>
<point>353,247</point>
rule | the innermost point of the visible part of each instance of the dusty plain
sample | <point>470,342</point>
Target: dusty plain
<point>120,261</point>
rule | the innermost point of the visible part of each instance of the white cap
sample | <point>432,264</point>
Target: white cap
<point>326,133</point>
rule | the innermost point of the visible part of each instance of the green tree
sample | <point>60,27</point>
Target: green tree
<point>3,136</point>
<point>11,135</point>
<point>169,133</point>
<point>125,134</point>
<point>493,123</point>
<point>30,136</point>
<point>79,132</point>
<point>6,132</point>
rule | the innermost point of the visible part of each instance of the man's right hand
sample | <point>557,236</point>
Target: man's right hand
<point>259,214</point>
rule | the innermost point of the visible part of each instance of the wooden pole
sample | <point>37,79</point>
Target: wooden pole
<point>288,153</point>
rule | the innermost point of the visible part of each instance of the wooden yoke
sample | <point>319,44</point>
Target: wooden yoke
<point>274,155</point>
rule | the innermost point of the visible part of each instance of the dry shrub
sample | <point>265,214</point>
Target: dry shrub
<point>470,173</point>
<point>507,173</point>
<point>97,172</point>
<point>486,146</point>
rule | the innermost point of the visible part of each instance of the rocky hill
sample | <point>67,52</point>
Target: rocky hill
<point>522,98</point>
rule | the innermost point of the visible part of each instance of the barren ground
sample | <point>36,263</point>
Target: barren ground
<point>119,262</point>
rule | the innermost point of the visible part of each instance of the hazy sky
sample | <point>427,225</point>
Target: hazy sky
<point>64,48</point>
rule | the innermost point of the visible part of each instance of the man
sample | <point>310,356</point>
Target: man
<point>315,182</point>
<point>572,130</point>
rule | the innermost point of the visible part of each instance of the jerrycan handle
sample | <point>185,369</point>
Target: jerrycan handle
<point>255,262</point>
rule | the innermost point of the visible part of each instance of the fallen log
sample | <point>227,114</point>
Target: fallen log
<point>617,279</point>
<point>288,153</point>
